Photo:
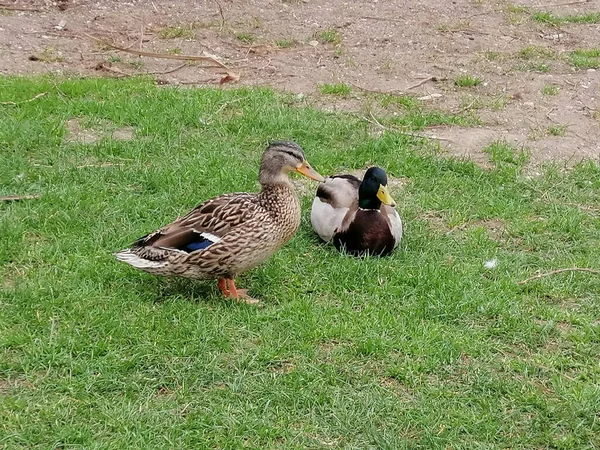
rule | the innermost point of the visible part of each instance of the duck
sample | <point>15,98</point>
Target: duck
<point>230,234</point>
<point>357,216</point>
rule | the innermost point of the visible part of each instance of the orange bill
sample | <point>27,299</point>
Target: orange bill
<point>309,172</point>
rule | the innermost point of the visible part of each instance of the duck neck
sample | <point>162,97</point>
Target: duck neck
<point>369,203</point>
<point>266,178</point>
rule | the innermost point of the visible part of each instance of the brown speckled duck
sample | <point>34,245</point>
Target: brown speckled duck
<point>230,234</point>
<point>356,216</point>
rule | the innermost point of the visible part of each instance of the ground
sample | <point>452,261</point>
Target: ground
<point>480,331</point>
<point>517,66</point>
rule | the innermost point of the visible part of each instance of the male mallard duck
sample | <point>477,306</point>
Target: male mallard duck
<point>357,216</point>
<point>232,233</point>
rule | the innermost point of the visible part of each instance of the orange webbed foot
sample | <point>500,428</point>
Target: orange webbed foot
<point>241,295</point>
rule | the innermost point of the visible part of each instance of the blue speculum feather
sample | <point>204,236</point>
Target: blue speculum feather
<point>198,245</point>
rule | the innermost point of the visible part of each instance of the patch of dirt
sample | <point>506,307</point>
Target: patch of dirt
<point>8,386</point>
<point>530,93</point>
<point>77,133</point>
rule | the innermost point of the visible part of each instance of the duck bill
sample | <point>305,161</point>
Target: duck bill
<point>385,197</point>
<point>309,172</point>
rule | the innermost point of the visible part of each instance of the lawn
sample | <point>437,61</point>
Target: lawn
<point>428,348</point>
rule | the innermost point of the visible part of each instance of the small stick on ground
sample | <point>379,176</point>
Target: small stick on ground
<point>389,19</point>
<point>161,55</point>
<point>17,8</point>
<point>561,4</point>
<point>374,121</point>
<point>17,198</point>
<point>425,81</point>
<point>221,14</point>
<point>41,94</point>
<point>553,272</point>
<point>375,91</point>
<point>397,91</point>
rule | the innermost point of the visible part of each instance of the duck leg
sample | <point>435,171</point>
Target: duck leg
<point>222,285</point>
<point>240,295</point>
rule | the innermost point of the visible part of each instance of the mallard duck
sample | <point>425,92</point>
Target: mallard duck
<point>357,216</point>
<point>230,234</point>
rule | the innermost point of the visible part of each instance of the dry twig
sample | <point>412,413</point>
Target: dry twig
<point>374,121</point>
<point>41,94</point>
<point>221,14</point>
<point>162,55</point>
<point>425,81</point>
<point>561,4</point>
<point>16,198</point>
<point>18,8</point>
<point>388,19</point>
<point>397,91</point>
<point>553,272</point>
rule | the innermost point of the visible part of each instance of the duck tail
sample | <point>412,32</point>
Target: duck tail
<point>137,261</point>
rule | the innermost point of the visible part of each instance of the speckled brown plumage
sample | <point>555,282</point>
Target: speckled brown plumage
<point>232,233</point>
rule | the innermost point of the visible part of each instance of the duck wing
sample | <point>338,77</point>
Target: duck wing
<point>394,222</point>
<point>203,226</point>
<point>336,196</point>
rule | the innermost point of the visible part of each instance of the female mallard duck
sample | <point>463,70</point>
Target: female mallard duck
<point>232,233</point>
<point>357,216</point>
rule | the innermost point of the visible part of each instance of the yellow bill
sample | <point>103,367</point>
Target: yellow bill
<point>384,195</point>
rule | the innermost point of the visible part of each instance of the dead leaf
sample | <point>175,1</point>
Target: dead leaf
<point>230,77</point>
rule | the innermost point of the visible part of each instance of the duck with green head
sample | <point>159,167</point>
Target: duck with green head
<point>358,217</point>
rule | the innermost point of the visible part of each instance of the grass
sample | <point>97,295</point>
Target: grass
<point>540,67</point>
<point>557,130</point>
<point>247,38</point>
<point>330,36</point>
<point>550,89</point>
<point>547,17</point>
<point>501,152</point>
<point>494,102</point>
<point>178,31</point>
<point>286,43</point>
<point>335,89</point>
<point>515,14</point>
<point>426,349</point>
<point>585,58</point>
<point>467,81</point>
<point>532,52</point>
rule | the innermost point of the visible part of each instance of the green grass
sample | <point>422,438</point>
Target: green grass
<point>247,38</point>
<point>335,89</point>
<point>532,52</point>
<point>547,17</point>
<point>585,58</point>
<point>557,130</point>
<point>174,32</point>
<point>540,67</point>
<point>501,152</point>
<point>330,36</point>
<point>426,349</point>
<point>550,89</point>
<point>286,43</point>
<point>467,81</point>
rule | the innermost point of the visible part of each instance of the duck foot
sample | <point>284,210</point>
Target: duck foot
<point>228,288</point>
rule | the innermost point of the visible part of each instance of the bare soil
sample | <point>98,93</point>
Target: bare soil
<point>531,95</point>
